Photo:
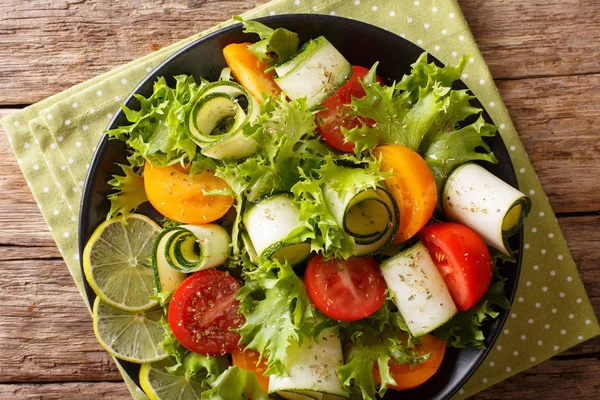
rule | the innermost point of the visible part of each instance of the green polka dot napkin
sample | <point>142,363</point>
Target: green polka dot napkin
<point>54,141</point>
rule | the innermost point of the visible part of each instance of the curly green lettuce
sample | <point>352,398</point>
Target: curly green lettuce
<point>235,383</point>
<point>129,193</point>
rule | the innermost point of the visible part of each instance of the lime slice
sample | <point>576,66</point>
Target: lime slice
<point>117,262</point>
<point>159,384</point>
<point>129,336</point>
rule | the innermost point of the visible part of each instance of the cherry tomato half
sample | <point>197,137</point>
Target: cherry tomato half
<point>248,360</point>
<point>203,310</point>
<point>462,258</point>
<point>180,197</point>
<point>407,377</point>
<point>337,113</point>
<point>346,290</point>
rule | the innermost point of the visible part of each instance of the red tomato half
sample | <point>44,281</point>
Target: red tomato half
<point>203,310</point>
<point>346,290</point>
<point>337,113</point>
<point>462,258</point>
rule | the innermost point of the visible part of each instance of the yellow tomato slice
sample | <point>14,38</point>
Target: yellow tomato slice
<point>412,186</point>
<point>407,377</point>
<point>248,360</point>
<point>249,71</point>
<point>180,197</point>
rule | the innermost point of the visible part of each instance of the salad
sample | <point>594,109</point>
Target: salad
<point>322,234</point>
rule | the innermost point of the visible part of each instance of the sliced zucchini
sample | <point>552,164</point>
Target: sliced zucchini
<point>312,370</point>
<point>381,244</point>
<point>491,207</point>
<point>216,119</point>
<point>418,289</point>
<point>275,229</point>
<point>315,73</point>
<point>190,248</point>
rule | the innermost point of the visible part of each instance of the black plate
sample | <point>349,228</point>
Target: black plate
<point>361,44</point>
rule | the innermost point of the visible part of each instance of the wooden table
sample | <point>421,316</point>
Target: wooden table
<point>544,55</point>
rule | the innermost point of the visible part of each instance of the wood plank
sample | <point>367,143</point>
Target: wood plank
<point>71,41</point>
<point>536,37</point>
<point>65,391</point>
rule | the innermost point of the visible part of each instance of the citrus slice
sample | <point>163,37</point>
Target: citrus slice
<point>159,384</point>
<point>117,262</point>
<point>129,336</point>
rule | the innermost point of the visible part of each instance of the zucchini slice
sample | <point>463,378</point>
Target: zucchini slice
<point>418,289</point>
<point>216,119</point>
<point>190,248</point>
<point>385,240</point>
<point>312,370</point>
<point>275,230</point>
<point>491,207</point>
<point>316,72</point>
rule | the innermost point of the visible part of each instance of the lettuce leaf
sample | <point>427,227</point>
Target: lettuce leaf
<point>277,311</point>
<point>274,45</point>
<point>130,193</point>
<point>235,383</point>
<point>159,131</point>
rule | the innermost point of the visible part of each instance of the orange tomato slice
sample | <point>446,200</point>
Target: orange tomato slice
<point>180,197</point>
<point>249,71</point>
<point>412,186</point>
<point>407,377</point>
<point>248,360</point>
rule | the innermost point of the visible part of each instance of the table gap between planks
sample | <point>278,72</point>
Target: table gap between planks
<point>544,55</point>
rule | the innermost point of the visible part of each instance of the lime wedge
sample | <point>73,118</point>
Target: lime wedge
<point>159,384</point>
<point>129,336</point>
<point>117,262</point>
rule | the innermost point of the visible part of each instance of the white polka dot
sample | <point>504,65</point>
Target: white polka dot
<point>87,166</point>
<point>464,76</point>
<point>49,116</point>
<point>80,183</point>
<point>498,347</point>
<point>502,126</point>
<point>528,283</point>
<point>571,316</point>
<point>16,123</point>
<point>559,257</point>
<point>454,54</point>
<point>547,326</point>
<point>117,98</point>
<point>515,353</point>
<point>563,331</point>
<point>437,48</point>
<point>520,299</point>
<point>444,31</point>
<point>543,251</point>
<point>555,348</point>
<point>426,25</point>
<point>109,115</point>
<point>68,205</point>
<point>68,122</point>
<point>434,9</point>
<point>530,321</point>
<point>66,234</point>
<point>484,380</point>
<point>63,167</point>
<point>271,12</point>
<point>545,289</point>
<point>537,305</point>
<point>36,167</point>
<point>357,3</point>
<point>297,2</point>
<point>123,81</point>
<point>148,69</point>
<point>332,13</point>
<point>523,337</point>
<point>99,92</point>
<point>506,331</point>
<point>552,273</point>
<point>579,337</point>
<point>70,161</point>
<point>417,3</point>
<point>550,235</point>
<point>392,13</point>
<point>75,190</point>
<point>561,294</point>
<point>26,145</point>
<point>492,363</point>
<point>73,218</point>
<point>408,19</point>
<point>532,359</point>
<point>541,213</point>
<point>532,192</point>
<point>46,190</point>
<point>569,279</point>
<point>512,148</point>
<point>461,391</point>
<point>554,310</point>
<point>60,138</point>
<point>419,41</point>
<point>92,110</point>
<point>56,212</point>
<point>85,127</point>
<point>74,105</point>
<point>578,300</point>
<point>526,245</point>
<point>587,321</point>
<point>461,38</point>
<point>508,369</point>
<point>76,257</point>
<point>513,315</point>
<point>540,342</point>
<point>374,8</point>
<point>77,144</point>
<point>534,230</point>
<point>451,15</point>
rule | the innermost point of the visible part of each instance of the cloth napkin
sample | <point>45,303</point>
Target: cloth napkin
<point>54,141</point>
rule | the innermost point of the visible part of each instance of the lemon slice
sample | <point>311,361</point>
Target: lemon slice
<point>159,384</point>
<point>129,336</point>
<point>117,262</point>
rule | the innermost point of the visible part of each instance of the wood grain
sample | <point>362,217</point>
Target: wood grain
<point>47,46</point>
<point>65,391</point>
